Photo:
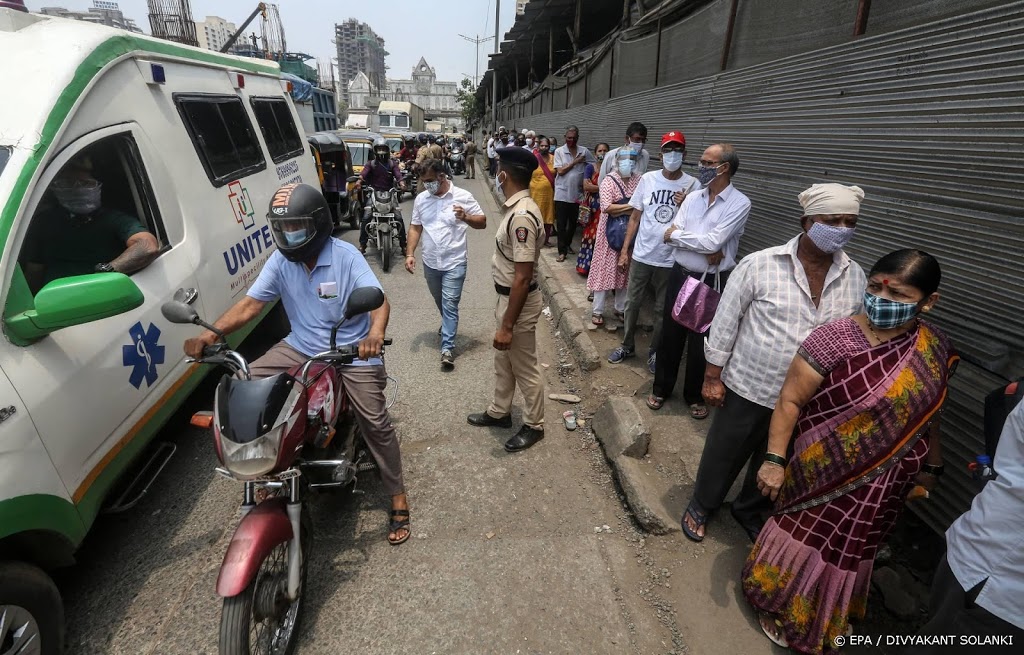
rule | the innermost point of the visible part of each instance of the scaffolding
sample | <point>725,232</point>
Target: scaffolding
<point>172,20</point>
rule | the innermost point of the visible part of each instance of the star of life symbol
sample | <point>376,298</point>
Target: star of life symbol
<point>143,355</point>
<point>238,196</point>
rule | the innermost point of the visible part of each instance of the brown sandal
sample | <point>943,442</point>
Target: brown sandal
<point>699,411</point>
<point>655,402</point>
<point>597,319</point>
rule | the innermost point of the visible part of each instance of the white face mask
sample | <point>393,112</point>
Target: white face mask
<point>529,141</point>
<point>672,161</point>
<point>497,186</point>
<point>432,186</point>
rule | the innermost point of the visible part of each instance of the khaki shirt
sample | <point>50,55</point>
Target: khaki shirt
<point>518,238</point>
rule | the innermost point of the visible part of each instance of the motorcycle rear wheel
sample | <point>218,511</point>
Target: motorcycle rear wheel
<point>255,622</point>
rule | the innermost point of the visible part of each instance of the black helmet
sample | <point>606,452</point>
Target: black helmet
<point>423,138</point>
<point>431,138</point>
<point>300,221</point>
<point>382,150</point>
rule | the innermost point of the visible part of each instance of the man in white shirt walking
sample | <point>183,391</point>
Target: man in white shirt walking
<point>441,215</point>
<point>978,589</point>
<point>636,137</point>
<point>705,236</point>
<point>654,203</point>
<point>775,298</point>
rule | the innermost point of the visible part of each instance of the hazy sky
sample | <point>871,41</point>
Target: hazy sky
<point>406,25</point>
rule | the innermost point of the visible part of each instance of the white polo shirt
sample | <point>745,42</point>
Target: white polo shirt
<point>444,237</point>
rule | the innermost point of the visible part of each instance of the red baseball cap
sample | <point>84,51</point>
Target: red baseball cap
<point>674,137</point>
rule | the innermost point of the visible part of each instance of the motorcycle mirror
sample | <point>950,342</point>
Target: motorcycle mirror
<point>187,296</point>
<point>363,300</point>
<point>177,311</point>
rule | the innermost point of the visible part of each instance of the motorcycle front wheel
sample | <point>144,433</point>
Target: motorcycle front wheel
<point>261,620</point>
<point>386,245</point>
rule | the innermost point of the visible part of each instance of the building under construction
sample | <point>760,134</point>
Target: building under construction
<point>172,20</point>
<point>359,50</point>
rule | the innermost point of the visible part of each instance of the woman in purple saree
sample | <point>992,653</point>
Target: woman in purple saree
<point>861,403</point>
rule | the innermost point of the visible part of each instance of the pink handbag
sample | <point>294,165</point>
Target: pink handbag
<point>696,304</point>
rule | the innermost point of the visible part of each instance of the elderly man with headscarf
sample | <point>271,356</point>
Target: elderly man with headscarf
<point>774,299</point>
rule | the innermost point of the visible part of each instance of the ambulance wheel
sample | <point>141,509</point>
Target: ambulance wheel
<point>32,610</point>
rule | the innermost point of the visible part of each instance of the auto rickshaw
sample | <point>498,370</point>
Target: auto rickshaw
<point>334,168</point>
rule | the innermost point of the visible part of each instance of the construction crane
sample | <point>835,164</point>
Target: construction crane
<point>261,8</point>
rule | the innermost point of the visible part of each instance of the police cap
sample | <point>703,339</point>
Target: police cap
<point>517,156</point>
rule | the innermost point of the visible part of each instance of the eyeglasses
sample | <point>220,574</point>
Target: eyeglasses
<point>705,162</point>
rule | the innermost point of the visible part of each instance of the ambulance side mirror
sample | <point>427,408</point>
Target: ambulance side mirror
<point>73,301</point>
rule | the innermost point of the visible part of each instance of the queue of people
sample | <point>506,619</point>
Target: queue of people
<point>828,383</point>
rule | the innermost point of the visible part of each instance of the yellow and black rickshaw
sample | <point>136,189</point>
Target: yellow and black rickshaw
<point>334,168</point>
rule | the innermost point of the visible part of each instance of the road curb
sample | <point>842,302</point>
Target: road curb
<point>624,435</point>
<point>570,326</point>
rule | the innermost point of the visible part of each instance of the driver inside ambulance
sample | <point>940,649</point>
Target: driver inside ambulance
<point>78,235</point>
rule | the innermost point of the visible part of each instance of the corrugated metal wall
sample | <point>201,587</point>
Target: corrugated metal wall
<point>928,120</point>
<point>686,47</point>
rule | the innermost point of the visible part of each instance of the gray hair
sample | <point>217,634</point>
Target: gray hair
<point>730,157</point>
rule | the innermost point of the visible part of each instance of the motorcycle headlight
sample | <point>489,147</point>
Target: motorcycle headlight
<point>258,457</point>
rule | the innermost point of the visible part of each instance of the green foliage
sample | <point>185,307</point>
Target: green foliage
<point>472,107</point>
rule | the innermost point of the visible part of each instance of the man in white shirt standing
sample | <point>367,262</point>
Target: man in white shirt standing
<point>654,202</point>
<point>978,588</point>
<point>636,137</point>
<point>705,237</point>
<point>441,215</point>
<point>570,162</point>
<point>775,298</point>
<point>492,155</point>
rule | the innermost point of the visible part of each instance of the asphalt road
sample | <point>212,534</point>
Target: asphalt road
<point>504,558</point>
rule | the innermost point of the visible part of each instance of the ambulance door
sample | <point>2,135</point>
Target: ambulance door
<point>90,388</point>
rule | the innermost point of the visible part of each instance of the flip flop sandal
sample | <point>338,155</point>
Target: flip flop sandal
<point>655,402</point>
<point>699,519</point>
<point>399,521</point>
<point>597,319</point>
<point>777,639</point>
<point>698,411</point>
<point>569,417</point>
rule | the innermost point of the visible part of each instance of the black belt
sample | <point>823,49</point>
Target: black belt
<point>506,291</point>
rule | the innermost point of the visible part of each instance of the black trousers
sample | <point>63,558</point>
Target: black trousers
<point>954,612</point>
<point>738,435</point>
<point>567,215</point>
<point>675,340</point>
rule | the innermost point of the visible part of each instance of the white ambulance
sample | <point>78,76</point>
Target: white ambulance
<point>189,143</point>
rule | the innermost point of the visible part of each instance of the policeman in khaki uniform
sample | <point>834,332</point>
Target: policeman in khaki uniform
<point>516,251</point>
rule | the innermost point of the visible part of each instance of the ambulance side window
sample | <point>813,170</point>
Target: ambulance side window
<point>279,131</point>
<point>108,180</point>
<point>223,136</point>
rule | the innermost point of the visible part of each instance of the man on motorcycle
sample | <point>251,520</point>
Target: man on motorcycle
<point>408,153</point>
<point>381,174</point>
<point>313,274</point>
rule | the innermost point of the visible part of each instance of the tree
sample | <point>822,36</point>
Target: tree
<point>472,107</point>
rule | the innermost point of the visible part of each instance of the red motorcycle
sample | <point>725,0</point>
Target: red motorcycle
<point>281,437</point>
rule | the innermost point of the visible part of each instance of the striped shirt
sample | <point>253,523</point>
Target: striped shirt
<point>766,312</point>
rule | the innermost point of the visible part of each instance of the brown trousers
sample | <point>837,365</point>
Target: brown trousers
<point>365,388</point>
<point>519,365</point>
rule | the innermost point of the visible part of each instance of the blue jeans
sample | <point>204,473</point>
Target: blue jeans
<point>446,288</point>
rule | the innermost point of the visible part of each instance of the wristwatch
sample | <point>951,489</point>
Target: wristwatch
<point>105,268</point>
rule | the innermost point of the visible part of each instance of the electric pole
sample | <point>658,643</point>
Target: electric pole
<point>477,41</point>
<point>494,77</point>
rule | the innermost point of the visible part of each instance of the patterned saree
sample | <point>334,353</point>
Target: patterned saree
<point>859,444</point>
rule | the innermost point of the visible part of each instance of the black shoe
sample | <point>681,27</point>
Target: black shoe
<point>523,439</point>
<point>485,420</point>
<point>447,360</point>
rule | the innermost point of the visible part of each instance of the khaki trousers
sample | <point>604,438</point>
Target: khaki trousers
<point>365,388</point>
<point>519,365</point>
